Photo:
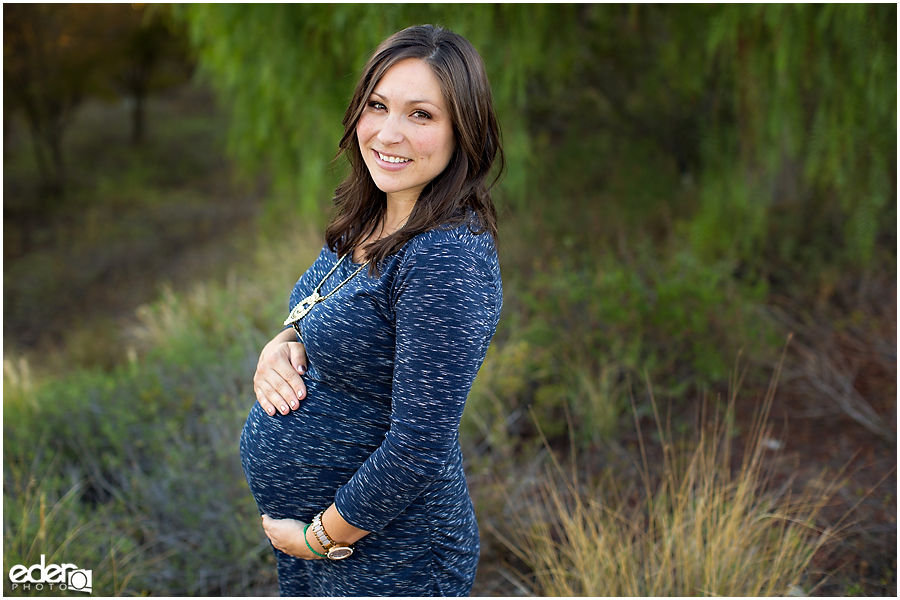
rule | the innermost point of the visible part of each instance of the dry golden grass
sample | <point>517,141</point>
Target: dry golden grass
<point>697,528</point>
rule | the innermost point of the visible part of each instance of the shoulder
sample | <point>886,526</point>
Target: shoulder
<point>459,241</point>
<point>449,271</point>
<point>326,255</point>
<point>449,263</point>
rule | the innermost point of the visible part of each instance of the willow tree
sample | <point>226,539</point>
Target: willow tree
<point>287,73</point>
<point>783,116</point>
<point>802,170</point>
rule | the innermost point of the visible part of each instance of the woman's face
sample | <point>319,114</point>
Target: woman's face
<point>405,132</point>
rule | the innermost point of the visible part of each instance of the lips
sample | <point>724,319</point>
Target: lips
<point>388,162</point>
<point>394,160</point>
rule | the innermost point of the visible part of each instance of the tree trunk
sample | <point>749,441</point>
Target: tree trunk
<point>58,177</point>
<point>46,139</point>
<point>138,116</point>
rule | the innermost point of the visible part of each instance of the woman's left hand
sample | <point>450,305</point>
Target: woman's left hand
<point>287,536</point>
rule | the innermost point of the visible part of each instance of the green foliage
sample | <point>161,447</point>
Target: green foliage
<point>288,71</point>
<point>808,160</point>
<point>583,332</point>
<point>673,316</point>
<point>142,440</point>
<point>769,140</point>
<point>43,514</point>
<point>135,468</point>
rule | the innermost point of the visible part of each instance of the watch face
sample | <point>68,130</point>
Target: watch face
<point>340,552</point>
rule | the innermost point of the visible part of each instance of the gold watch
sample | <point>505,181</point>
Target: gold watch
<point>333,550</point>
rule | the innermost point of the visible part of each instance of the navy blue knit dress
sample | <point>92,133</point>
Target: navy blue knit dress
<point>391,361</point>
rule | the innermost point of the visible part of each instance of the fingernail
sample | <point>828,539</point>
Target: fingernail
<point>300,394</point>
<point>301,369</point>
<point>271,411</point>
<point>284,409</point>
<point>293,404</point>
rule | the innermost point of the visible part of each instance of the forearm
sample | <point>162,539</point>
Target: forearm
<point>339,529</point>
<point>393,476</point>
<point>336,528</point>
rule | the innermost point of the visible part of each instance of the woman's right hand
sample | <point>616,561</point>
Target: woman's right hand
<point>277,380</point>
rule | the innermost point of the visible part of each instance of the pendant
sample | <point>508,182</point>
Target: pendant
<point>303,307</point>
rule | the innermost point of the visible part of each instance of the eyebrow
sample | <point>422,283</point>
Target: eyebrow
<point>411,102</point>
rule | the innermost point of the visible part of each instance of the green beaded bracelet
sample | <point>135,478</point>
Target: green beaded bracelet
<point>310,547</point>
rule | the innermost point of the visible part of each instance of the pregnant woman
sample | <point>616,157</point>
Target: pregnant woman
<point>352,450</point>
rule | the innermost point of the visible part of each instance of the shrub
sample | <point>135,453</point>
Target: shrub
<point>133,472</point>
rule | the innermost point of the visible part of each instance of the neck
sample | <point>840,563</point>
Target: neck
<point>396,214</point>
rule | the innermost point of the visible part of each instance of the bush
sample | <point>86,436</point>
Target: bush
<point>133,472</point>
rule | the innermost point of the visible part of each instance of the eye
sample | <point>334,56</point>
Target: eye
<point>376,105</point>
<point>421,114</point>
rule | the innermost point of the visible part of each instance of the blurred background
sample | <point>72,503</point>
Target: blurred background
<point>692,389</point>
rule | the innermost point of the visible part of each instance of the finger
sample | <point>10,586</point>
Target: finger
<point>267,528</point>
<point>289,386</point>
<point>298,357</point>
<point>298,362</point>
<point>271,384</point>
<point>287,382</point>
<point>275,397</point>
<point>284,377</point>
<point>269,399</point>
<point>264,402</point>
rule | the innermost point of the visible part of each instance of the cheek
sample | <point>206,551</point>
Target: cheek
<point>363,130</point>
<point>439,146</point>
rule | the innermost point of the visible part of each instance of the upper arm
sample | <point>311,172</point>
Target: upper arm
<point>446,310</point>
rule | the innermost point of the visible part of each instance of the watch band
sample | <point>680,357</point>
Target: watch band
<point>333,550</point>
<point>321,534</point>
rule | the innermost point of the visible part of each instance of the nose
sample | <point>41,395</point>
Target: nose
<point>391,131</point>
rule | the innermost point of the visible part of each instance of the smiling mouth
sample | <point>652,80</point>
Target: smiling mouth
<point>396,160</point>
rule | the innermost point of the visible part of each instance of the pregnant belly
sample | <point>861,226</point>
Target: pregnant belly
<point>295,463</point>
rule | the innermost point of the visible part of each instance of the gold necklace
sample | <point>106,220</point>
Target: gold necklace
<point>306,305</point>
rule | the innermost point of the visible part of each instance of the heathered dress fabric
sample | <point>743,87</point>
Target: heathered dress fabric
<point>391,360</point>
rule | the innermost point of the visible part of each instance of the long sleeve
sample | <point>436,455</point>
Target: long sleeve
<point>446,299</point>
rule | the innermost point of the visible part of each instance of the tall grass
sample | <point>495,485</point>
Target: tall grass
<point>46,517</point>
<point>133,472</point>
<point>697,527</point>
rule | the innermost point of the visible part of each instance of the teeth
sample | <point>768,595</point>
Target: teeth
<point>392,159</point>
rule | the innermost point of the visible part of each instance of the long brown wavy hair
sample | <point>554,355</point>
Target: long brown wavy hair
<point>462,188</point>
